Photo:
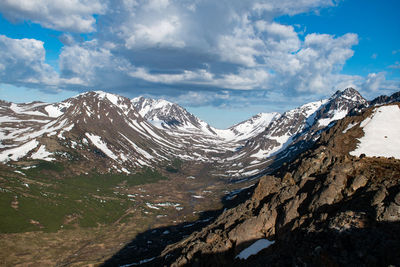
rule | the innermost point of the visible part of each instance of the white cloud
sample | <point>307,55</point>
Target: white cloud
<point>195,98</point>
<point>290,7</point>
<point>90,65</point>
<point>71,15</point>
<point>156,4</point>
<point>199,77</point>
<point>241,46</point>
<point>245,79</point>
<point>373,81</point>
<point>162,33</point>
<point>211,45</point>
<point>265,56</point>
<point>22,62</point>
<point>316,66</point>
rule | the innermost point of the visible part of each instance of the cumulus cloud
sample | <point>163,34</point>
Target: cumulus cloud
<point>89,65</point>
<point>375,82</point>
<point>71,15</point>
<point>316,66</point>
<point>22,62</point>
<point>195,50</point>
<point>233,45</point>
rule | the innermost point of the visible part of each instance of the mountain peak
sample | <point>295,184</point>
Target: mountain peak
<point>348,95</point>
<point>164,114</point>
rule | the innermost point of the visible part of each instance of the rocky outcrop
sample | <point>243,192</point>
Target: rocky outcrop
<point>326,208</point>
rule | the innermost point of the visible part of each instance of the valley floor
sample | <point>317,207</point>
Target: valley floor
<point>156,215</point>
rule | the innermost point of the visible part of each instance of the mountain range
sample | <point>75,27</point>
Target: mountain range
<point>115,168</point>
<point>117,134</point>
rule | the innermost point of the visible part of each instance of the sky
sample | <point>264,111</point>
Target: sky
<point>222,60</point>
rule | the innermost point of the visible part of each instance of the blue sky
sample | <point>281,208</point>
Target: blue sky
<point>222,60</point>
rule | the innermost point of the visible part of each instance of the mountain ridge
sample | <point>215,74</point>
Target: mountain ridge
<point>158,131</point>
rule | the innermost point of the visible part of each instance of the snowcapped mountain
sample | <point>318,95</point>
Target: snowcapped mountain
<point>294,131</point>
<point>166,115</point>
<point>91,129</point>
<point>106,131</point>
<point>115,133</point>
<point>338,106</point>
<point>248,128</point>
<point>177,120</point>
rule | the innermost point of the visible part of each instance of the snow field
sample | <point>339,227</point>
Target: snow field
<point>381,134</point>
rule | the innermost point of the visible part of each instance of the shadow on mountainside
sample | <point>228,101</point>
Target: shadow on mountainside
<point>375,245</point>
<point>149,244</point>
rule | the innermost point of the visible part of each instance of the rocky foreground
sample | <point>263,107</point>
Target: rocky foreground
<point>327,208</point>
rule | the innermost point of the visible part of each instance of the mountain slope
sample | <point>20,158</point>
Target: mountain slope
<point>177,120</point>
<point>296,130</point>
<point>326,208</point>
<point>250,144</point>
<point>248,128</point>
<point>166,115</point>
<point>96,127</point>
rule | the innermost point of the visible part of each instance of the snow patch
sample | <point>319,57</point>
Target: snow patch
<point>138,149</point>
<point>254,248</point>
<point>53,111</point>
<point>18,152</point>
<point>381,133</point>
<point>337,115</point>
<point>42,154</point>
<point>22,109</point>
<point>351,125</point>
<point>96,140</point>
<point>151,206</point>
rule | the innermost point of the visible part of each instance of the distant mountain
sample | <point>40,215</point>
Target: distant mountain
<point>166,115</point>
<point>174,118</point>
<point>294,131</point>
<point>251,144</point>
<point>91,129</point>
<point>383,99</point>
<point>248,128</point>
<point>119,134</point>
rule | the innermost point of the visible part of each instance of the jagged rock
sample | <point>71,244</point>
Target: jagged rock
<point>326,208</point>
<point>392,213</point>
<point>379,196</point>
<point>266,186</point>
<point>290,209</point>
<point>330,192</point>
<point>359,181</point>
<point>397,198</point>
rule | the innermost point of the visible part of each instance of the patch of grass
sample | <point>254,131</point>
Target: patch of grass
<point>44,166</point>
<point>11,220</point>
<point>90,200</point>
